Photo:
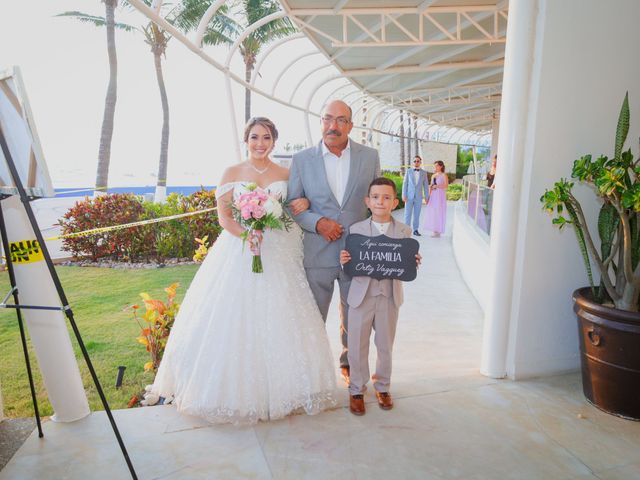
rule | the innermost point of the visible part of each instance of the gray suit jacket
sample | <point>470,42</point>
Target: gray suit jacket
<point>360,285</point>
<point>411,189</point>
<point>308,178</point>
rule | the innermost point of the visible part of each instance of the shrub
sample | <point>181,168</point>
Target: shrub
<point>103,211</point>
<point>397,179</point>
<point>454,191</point>
<point>464,159</point>
<point>172,237</point>
<point>205,224</point>
<point>162,240</point>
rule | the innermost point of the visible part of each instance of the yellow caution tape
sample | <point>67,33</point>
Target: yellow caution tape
<point>94,231</point>
<point>25,251</point>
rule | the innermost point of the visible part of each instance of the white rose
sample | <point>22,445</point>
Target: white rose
<point>273,206</point>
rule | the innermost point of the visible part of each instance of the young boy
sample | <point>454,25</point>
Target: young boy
<point>374,303</point>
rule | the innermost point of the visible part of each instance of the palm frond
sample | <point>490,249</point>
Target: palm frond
<point>187,17</point>
<point>274,30</point>
<point>95,20</point>
<point>222,30</point>
<point>255,10</point>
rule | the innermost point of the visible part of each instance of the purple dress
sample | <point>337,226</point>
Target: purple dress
<point>435,216</point>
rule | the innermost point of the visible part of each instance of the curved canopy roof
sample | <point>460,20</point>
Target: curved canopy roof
<point>439,59</point>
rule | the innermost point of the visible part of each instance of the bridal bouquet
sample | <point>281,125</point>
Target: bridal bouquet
<point>258,210</point>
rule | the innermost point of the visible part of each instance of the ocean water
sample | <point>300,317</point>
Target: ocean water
<point>80,191</point>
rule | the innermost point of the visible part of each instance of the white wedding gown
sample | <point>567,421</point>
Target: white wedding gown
<point>249,346</point>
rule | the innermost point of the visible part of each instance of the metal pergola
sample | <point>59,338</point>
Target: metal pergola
<point>437,64</point>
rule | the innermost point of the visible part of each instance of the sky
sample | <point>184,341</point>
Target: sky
<point>65,70</point>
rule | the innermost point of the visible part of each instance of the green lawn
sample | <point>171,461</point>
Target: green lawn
<point>99,298</point>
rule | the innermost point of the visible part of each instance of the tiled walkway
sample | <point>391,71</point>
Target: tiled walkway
<point>449,422</point>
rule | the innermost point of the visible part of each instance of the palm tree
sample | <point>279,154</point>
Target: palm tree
<point>255,10</point>
<point>224,31</point>
<point>157,39</point>
<point>106,134</point>
<point>183,15</point>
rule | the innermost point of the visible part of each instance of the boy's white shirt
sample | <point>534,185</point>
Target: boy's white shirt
<point>382,227</point>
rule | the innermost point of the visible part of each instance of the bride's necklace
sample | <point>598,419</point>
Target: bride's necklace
<point>260,171</point>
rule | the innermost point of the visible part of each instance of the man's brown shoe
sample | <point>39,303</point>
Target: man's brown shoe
<point>385,401</point>
<point>345,374</point>
<point>356,404</point>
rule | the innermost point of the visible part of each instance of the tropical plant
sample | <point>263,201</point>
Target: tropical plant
<point>223,30</point>
<point>158,320</point>
<point>203,248</point>
<point>106,133</point>
<point>616,182</point>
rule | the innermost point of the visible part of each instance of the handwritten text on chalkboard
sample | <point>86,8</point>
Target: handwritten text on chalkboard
<point>382,257</point>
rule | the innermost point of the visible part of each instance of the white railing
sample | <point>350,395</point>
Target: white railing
<point>479,202</point>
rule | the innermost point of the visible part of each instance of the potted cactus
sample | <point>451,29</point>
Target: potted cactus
<point>607,311</point>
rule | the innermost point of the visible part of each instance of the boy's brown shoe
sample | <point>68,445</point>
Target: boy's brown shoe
<point>356,404</point>
<point>384,400</point>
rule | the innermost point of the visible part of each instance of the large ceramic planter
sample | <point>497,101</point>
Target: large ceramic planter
<point>610,356</point>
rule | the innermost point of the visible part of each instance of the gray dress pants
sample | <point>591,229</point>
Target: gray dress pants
<point>380,314</point>
<point>321,281</point>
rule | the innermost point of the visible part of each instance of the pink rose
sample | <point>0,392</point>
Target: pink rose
<point>246,212</point>
<point>258,212</point>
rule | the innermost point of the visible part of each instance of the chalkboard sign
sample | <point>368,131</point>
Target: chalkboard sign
<point>382,257</point>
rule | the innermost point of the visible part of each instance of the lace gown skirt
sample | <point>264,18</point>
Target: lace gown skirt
<point>246,346</point>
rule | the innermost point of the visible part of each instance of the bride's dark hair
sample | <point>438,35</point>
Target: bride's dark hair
<point>265,122</point>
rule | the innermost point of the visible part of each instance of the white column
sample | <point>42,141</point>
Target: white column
<point>47,329</point>
<point>560,102</point>
<point>511,146</point>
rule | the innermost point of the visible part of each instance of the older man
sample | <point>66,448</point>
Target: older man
<point>334,175</point>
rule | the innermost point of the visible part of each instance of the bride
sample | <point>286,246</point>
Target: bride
<point>249,346</point>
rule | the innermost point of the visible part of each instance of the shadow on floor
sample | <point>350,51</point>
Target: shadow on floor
<point>13,433</point>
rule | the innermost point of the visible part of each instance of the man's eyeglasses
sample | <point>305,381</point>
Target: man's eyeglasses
<point>342,121</point>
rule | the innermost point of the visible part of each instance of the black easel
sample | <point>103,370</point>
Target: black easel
<point>63,300</point>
